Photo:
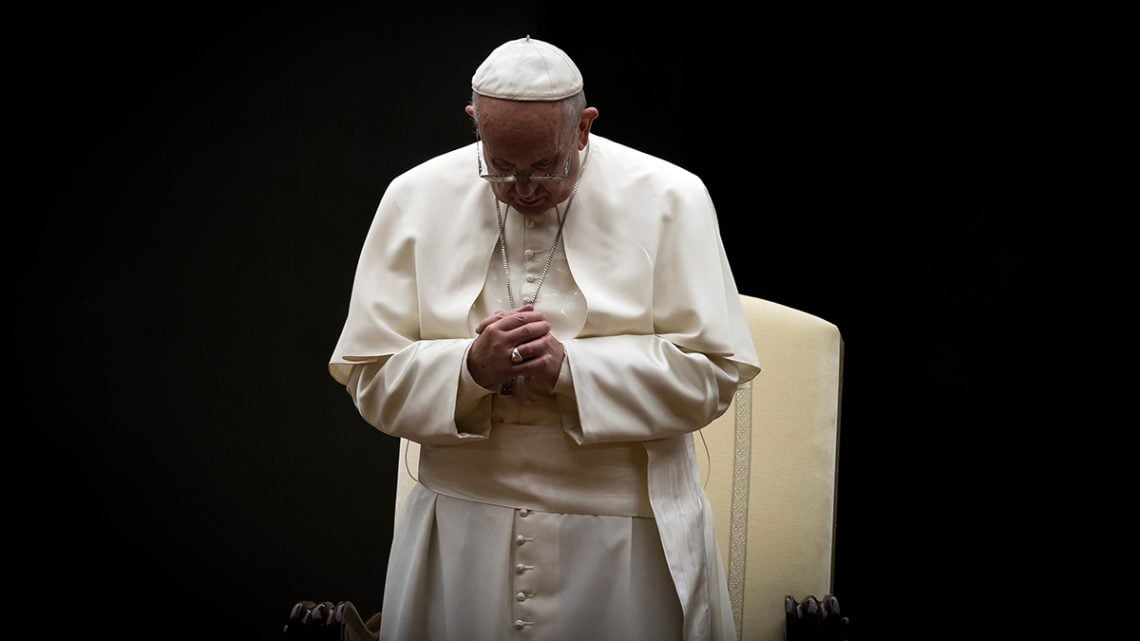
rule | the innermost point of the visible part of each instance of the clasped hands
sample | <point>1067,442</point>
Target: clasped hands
<point>525,329</point>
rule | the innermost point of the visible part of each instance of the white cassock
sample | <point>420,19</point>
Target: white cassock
<point>571,516</point>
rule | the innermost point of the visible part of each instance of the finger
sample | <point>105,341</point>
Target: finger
<point>487,321</point>
<point>507,326</point>
<point>531,335</point>
<point>544,362</point>
<point>500,315</point>
<point>536,347</point>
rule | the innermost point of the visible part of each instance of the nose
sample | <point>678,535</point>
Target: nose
<point>525,187</point>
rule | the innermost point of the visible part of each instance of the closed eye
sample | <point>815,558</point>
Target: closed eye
<point>507,167</point>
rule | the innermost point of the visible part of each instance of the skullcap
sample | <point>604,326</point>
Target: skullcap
<point>527,69</point>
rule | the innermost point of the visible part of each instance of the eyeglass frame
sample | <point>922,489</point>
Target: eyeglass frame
<point>511,178</point>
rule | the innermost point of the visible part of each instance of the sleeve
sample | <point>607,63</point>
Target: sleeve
<point>632,384</point>
<point>642,388</point>
<point>405,376</point>
<point>419,394</point>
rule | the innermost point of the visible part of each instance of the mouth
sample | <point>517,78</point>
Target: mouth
<point>528,203</point>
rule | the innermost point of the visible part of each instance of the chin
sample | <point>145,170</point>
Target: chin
<point>533,209</point>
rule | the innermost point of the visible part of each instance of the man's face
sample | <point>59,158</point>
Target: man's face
<point>525,139</point>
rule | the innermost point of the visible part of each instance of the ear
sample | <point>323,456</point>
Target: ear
<point>470,111</point>
<point>589,114</point>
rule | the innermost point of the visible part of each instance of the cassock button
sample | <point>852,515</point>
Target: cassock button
<point>524,512</point>
<point>521,596</point>
<point>520,568</point>
<point>530,278</point>
<point>528,299</point>
<point>519,624</point>
<point>529,223</point>
<point>520,539</point>
<point>529,253</point>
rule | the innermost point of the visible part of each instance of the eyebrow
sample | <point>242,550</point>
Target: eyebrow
<point>543,161</point>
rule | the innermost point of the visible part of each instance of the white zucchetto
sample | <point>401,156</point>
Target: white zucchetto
<point>527,69</point>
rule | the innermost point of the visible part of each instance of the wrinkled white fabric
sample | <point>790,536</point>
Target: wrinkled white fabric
<point>601,578</point>
<point>541,468</point>
<point>656,342</point>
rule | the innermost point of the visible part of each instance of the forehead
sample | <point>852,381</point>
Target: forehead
<point>508,123</point>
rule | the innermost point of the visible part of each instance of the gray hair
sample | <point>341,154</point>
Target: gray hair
<point>572,108</point>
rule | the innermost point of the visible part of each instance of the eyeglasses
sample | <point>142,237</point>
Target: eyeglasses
<point>510,178</point>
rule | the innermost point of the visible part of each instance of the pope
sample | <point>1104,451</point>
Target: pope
<point>550,314</point>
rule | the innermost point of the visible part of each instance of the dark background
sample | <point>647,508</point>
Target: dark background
<point>189,192</point>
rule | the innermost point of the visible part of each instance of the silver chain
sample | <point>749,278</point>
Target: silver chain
<point>558,237</point>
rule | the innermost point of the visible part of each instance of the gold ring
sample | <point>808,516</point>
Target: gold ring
<point>516,357</point>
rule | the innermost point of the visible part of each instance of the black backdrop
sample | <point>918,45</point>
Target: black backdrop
<point>190,189</point>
